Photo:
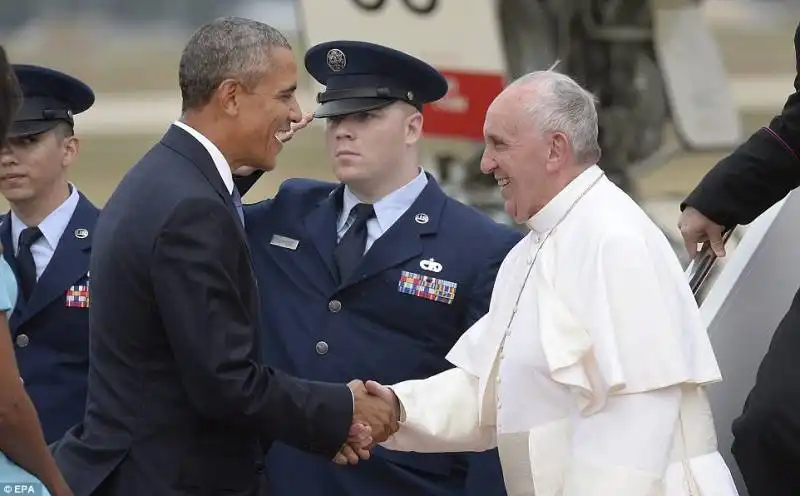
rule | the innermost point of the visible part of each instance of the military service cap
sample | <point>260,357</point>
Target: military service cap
<point>361,76</point>
<point>48,97</point>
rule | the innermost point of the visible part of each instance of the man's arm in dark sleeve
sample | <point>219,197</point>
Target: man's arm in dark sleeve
<point>196,274</point>
<point>759,173</point>
<point>484,472</point>
<point>244,183</point>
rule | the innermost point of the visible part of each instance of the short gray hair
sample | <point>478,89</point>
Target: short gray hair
<point>561,104</point>
<point>224,48</point>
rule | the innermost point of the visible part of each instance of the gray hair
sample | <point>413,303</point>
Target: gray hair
<point>229,47</point>
<point>561,104</point>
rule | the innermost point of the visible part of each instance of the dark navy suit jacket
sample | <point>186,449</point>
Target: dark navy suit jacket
<point>178,399</point>
<point>367,328</point>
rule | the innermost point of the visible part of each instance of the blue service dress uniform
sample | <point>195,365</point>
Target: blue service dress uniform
<point>50,326</point>
<point>426,276</point>
<point>51,330</point>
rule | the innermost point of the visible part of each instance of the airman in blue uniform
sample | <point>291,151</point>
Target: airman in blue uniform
<point>375,277</point>
<point>47,237</point>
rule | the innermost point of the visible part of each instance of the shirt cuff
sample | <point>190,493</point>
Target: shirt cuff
<point>402,408</point>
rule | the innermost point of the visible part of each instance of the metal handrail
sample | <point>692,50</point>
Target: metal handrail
<point>700,267</point>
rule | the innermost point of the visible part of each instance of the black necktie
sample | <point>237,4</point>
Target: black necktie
<point>350,249</point>
<point>25,264</point>
<point>237,202</point>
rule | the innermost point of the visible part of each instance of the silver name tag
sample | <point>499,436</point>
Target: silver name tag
<point>284,242</point>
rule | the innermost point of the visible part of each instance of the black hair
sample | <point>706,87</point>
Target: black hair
<point>10,94</point>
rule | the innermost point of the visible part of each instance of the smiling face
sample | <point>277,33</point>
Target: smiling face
<point>370,150</point>
<point>259,111</point>
<point>33,166</point>
<point>527,162</point>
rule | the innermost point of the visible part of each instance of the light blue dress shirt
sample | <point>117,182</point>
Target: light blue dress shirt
<point>52,227</point>
<point>387,210</point>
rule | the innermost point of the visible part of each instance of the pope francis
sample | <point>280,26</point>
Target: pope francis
<point>588,371</point>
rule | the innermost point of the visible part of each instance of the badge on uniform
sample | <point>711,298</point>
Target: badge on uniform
<point>284,242</point>
<point>78,296</point>
<point>427,287</point>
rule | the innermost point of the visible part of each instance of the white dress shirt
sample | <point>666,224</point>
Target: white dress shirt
<point>52,228</point>
<point>587,372</point>
<point>387,210</point>
<point>219,160</point>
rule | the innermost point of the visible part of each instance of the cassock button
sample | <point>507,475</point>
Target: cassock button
<point>321,347</point>
<point>23,340</point>
<point>334,306</point>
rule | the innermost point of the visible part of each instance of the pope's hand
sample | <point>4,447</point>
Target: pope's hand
<point>697,228</point>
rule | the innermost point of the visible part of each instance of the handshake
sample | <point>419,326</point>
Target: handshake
<point>376,416</point>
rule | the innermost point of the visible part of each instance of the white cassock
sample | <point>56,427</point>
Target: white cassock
<point>594,384</point>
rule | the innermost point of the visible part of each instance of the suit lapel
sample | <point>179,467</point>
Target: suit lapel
<point>68,264</point>
<point>184,143</point>
<point>321,223</point>
<point>403,240</point>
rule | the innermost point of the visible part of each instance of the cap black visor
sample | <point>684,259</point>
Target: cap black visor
<point>347,106</point>
<point>23,129</point>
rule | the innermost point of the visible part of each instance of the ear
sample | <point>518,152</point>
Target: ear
<point>72,146</point>
<point>560,152</point>
<point>228,96</point>
<point>413,128</point>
